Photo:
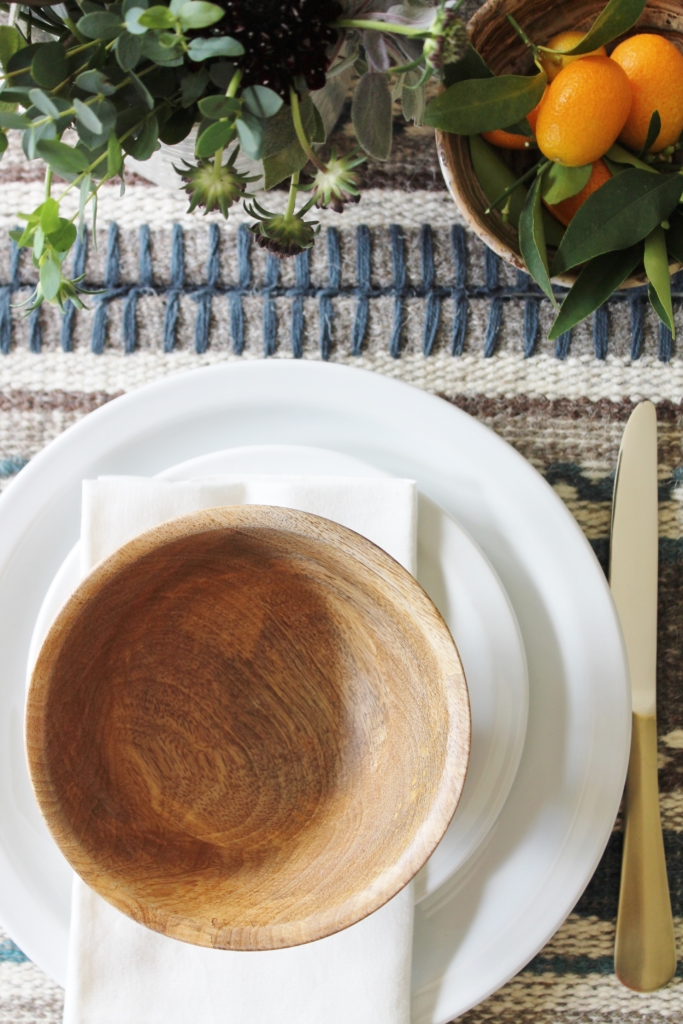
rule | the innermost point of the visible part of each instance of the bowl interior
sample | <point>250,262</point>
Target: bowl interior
<point>505,53</point>
<point>248,729</point>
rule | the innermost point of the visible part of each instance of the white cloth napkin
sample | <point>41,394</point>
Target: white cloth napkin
<point>120,972</point>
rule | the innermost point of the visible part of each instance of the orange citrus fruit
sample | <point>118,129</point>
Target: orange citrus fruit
<point>655,70</point>
<point>583,112</point>
<point>552,64</point>
<point>508,140</point>
<point>565,210</point>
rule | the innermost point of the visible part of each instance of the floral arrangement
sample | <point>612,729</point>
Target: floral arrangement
<point>582,156</point>
<point>88,83</point>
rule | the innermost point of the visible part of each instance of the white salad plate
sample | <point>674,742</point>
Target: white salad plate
<point>482,925</point>
<point>469,595</point>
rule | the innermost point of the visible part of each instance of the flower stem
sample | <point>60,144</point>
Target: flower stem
<point>300,131</point>
<point>289,212</point>
<point>382,26</point>
<point>48,181</point>
<point>234,84</point>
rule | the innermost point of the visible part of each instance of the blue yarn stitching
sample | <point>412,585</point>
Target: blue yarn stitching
<point>77,269</point>
<point>205,294</point>
<point>112,290</point>
<point>460,300</point>
<point>270,283</point>
<point>601,331</point>
<point>363,287</point>
<point>303,283</point>
<point>175,291</point>
<point>433,302</point>
<point>399,267</point>
<point>325,295</point>
<point>491,271</point>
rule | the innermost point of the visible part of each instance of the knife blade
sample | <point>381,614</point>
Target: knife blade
<point>645,951</point>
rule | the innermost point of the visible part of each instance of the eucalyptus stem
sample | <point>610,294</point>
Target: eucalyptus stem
<point>48,181</point>
<point>234,84</point>
<point>294,181</point>
<point>300,130</point>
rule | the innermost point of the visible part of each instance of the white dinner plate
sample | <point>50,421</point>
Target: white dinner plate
<point>469,595</point>
<point>482,926</point>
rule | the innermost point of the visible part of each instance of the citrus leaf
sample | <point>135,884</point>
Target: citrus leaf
<point>372,115</point>
<point>618,17</point>
<point>619,155</point>
<point>674,236</point>
<point>215,136</point>
<point>598,279</point>
<point>561,182</point>
<point>100,25</point>
<point>484,104</point>
<point>656,262</point>
<point>50,278</point>
<point>10,42</point>
<point>620,213</point>
<point>63,159</point>
<point>532,240</point>
<point>653,131</point>
<point>49,67</point>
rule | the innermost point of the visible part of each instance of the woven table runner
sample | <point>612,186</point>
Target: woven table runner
<point>399,286</point>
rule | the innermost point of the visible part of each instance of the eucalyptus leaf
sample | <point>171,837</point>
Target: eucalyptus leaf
<point>219,46</point>
<point>597,281</point>
<point>10,41</point>
<point>198,14</point>
<point>250,132</point>
<point>49,67</point>
<point>653,131</point>
<point>43,102</point>
<point>10,120</point>
<point>372,115</point>
<point>114,156</point>
<point>470,65</point>
<point>94,81</point>
<point>86,116</point>
<point>221,73</point>
<point>216,107</point>
<point>64,236</point>
<point>100,25</point>
<point>129,5</point>
<point>156,17</point>
<point>133,23</point>
<point>142,90</point>
<point>146,142</point>
<point>38,244</point>
<point>19,65</point>
<point>532,240</point>
<point>34,134</point>
<point>177,127</point>
<point>192,86</point>
<point>656,262</point>
<point>49,216</point>
<point>50,277</point>
<point>64,160</point>
<point>104,113</point>
<point>163,56</point>
<point>484,104</point>
<point>128,51</point>
<point>213,137</point>
<point>261,101</point>
<point>12,95</point>
<point>616,18</point>
<point>560,182</point>
<point>622,212</point>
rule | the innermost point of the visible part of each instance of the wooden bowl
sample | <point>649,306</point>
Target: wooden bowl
<point>248,728</point>
<point>505,53</point>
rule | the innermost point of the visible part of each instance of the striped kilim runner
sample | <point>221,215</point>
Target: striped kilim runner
<point>399,286</point>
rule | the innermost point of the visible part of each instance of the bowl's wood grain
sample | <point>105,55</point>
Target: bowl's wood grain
<point>505,53</point>
<point>248,728</point>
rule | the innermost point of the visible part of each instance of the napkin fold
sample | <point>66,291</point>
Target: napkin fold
<point>122,973</point>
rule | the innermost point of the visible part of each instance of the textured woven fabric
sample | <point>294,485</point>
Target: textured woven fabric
<point>399,286</point>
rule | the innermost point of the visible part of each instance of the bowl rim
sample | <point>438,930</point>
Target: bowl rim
<point>426,836</point>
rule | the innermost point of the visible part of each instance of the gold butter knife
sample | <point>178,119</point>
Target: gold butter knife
<point>645,951</point>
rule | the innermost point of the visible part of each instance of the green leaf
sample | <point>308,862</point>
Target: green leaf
<point>618,17</point>
<point>250,131</point>
<point>4,143</point>
<point>216,107</point>
<point>9,120</point>
<point>49,67</point>
<point>128,50</point>
<point>95,82</point>
<point>484,104</point>
<point>619,155</point>
<point>372,115</point>
<point>133,24</point>
<point>470,65</point>
<point>622,212</point>
<point>10,42</point>
<point>145,144</point>
<point>100,25</point>
<point>43,102</point>
<point>49,216</point>
<point>63,159</point>
<point>156,17</point>
<point>19,65</point>
<point>283,164</point>
<point>221,73</point>
<point>50,277</point>
<point>561,182</point>
<point>279,132</point>
<point>317,133</point>
<point>674,236</point>
<point>199,14</point>
<point>224,46</point>
<point>114,156</point>
<point>192,86</point>
<point>102,111</point>
<point>532,240</point>
<point>177,127</point>
<point>598,279</point>
<point>83,193</point>
<point>86,117</point>
<point>12,95</point>
<point>64,236</point>
<point>161,55</point>
<point>656,262</point>
<point>261,101</point>
<point>142,90</point>
<point>653,131</point>
<point>140,5</point>
<point>217,135</point>
<point>494,176</point>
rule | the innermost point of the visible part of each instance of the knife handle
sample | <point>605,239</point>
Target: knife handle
<point>645,951</point>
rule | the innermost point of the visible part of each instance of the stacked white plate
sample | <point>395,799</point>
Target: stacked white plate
<point>500,555</point>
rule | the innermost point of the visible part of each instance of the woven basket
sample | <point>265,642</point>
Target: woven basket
<point>505,53</point>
